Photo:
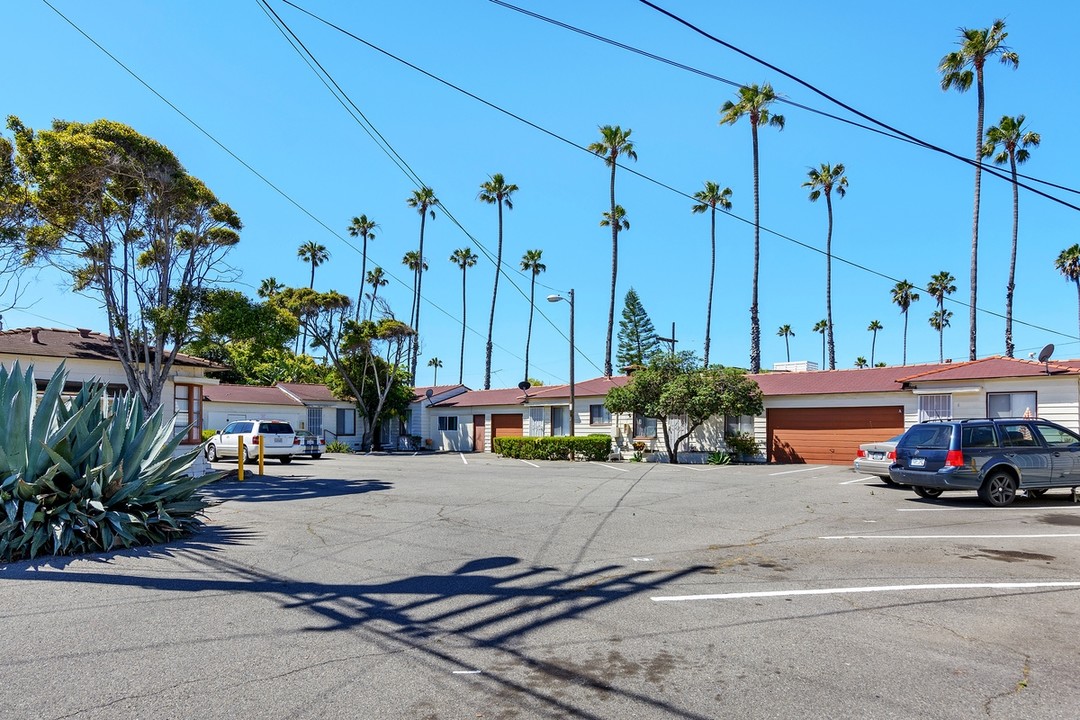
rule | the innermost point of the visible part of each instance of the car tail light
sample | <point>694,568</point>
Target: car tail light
<point>862,453</point>
<point>954,458</point>
<point>296,441</point>
<point>891,455</point>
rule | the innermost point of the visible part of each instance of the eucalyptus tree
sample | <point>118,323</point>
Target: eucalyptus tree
<point>435,363</point>
<point>709,198</point>
<point>362,228</point>
<point>940,286</point>
<point>614,142</point>
<point>376,278</point>
<point>820,327</point>
<point>822,181</point>
<point>530,263</point>
<point>959,69</point>
<point>424,202</point>
<point>903,294</point>
<point>753,103</point>
<point>1068,264</point>
<point>464,258</point>
<point>1010,140</point>
<point>786,332</point>
<point>496,191</point>
<point>874,328</point>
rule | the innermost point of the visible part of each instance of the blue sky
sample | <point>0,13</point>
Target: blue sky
<point>907,213</point>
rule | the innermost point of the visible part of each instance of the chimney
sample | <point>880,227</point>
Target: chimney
<point>34,336</point>
<point>84,332</point>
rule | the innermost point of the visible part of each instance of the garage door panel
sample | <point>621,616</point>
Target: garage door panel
<point>828,435</point>
<point>507,425</point>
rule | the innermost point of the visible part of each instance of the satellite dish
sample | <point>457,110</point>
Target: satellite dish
<point>428,393</point>
<point>1046,352</point>
<point>524,385</point>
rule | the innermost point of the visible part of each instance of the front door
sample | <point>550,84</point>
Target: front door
<point>478,422</point>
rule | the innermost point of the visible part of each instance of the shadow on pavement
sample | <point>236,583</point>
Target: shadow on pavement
<point>263,488</point>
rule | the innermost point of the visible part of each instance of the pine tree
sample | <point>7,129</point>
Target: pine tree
<point>637,336</point>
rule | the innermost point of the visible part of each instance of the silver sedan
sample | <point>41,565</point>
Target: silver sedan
<point>876,457</point>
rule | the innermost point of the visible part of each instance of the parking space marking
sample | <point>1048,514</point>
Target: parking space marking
<point>467,672</point>
<point>862,479</point>
<point>947,537</point>
<point>529,463</point>
<point>463,458</point>
<point>1039,508</point>
<point>872,589</point>
<point>610,467</point>
<point>788,472</point>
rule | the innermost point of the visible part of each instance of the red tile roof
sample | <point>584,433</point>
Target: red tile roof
<point>251,394</point>
<point>995,367</point>
<point>436,390</point>
<point>476,398</point>
<point>79,344</point>
<point>513,396</point>
<point>308,392</point>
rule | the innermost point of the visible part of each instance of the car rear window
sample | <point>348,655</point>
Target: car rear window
<point>275,428</point>
<point>928,436</point>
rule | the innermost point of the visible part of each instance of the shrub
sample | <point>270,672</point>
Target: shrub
<point>589,447</point>
<point>74,479</point>
<point>338,447</point>
<point>207,434</point>
<point>719,458</point>
<point>742,444</point>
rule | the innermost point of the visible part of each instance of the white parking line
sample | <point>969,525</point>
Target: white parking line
<point>882,588</point>
<point>466,672</point>
<point>463,458</point>
<point>610,467</point>
<point>862,479</point>
<point>1012,510</point>
<point>529,463</point>
<point>789,472</point>
<point>946,537</point>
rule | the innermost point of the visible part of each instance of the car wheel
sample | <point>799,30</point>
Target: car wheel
<point>999,489</point>
<point>925,492</point>
<point>247,455</point>
<point>316,456</point>
<point>211,453</point>
<point>285,459</point>
<point>886,479</point>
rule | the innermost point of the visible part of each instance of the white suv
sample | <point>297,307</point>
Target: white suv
<point>277,435</point>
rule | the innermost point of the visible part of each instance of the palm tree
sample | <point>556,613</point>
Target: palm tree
<point>376,279</point>
<point>464,258</point>
<point>435,363</point>
<point>903,295</point>
<point>362,228</point>
<point>269,287</point>
<point>940,285</point>
<point>860,362</point>
<point>820,327</point>
<point>823,181</point>
<point>496,191</point>
<point>1068,264</point>
<point>754,103</point>
<point>424,201</point>
<point>411,260</point>
<point>786,332</point>
<point>958,70</point>
<point>614,141</point>
<point>710,198</point>
<point>316,254</point>
<point>530,263</point>
<point>874,327</point>
<point>1014,141</point>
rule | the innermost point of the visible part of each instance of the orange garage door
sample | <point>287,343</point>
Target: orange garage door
<point>828,435</point>
<point>506,425</point>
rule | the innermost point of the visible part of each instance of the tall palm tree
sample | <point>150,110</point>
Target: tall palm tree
<point>874,327</point>
<point>754,103</point>
<point>709,198</point>
<point>958,70</point>
<point>362,228</point>
<point>424,202</point>
<point>435,363</point>
<point>269,287</point>
<point>1068,264</point>
<point>464,258</point>
<point>614,142</point>
<point>496,191</point>
<point>941,285</point>
<point>822,181</point>
<point>1013,140</point>
<point>530,263</point>
<point>903,294</point>
<point>411,260</point>
<point>820,327</point>
<point>786,332</point>
<point>316,254</point>
<point>376,279</point>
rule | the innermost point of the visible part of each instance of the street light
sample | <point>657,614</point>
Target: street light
<point>557,298</point>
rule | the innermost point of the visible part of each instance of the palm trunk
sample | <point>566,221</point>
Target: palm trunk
<point>873,346</point>
<point>941,330</point>
<point>823,349</point>
<point>1078,300</point>
<point>614,272</point>
<point>494,297</point>
<point>828,284</point>
<point>904,362</point>
<point>787,348</point>
<point>755,328</point>
<point>461,364</point>
<point>363,274</point>
<point>1011,286</point>
<point>311,286</point>
<point>972,354</point>
<point>374,292</point>
<point>528,334</point>
<point>712,277</point>
<point>419,295</point>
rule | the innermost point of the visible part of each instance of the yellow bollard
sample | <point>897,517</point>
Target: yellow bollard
<point>260,455</point>
<point>240,459</point>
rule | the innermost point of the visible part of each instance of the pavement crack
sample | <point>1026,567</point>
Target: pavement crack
<point>1021,684</point>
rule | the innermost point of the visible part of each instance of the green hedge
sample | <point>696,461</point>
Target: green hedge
<point>590,447</point>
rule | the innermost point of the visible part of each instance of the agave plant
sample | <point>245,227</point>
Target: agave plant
<point>87,474</point>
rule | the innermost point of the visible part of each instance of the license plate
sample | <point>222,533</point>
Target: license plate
<point>918,462</point>
<point>877,456</point>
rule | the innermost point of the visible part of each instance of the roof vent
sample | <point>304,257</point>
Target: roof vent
<point>948,361</point>
<point>34,336</point>
<point>84,332</point>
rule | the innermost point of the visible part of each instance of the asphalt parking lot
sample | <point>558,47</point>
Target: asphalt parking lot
<point>472,586</point>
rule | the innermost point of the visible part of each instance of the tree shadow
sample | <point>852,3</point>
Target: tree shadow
<point>263,488</point>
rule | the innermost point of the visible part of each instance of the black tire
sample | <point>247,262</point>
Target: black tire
<point>285,459</point>
<point>886,479</point>
<point>211,453</point>
<point>925,492</point>
<point>999,488</point>
<point>316,456</point>
<point>247,455</point>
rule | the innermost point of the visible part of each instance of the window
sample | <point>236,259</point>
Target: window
<point>314,421</point>
<point>1017,435</point>
<point>1006,405</point>
<point>644,427</point>
<point>536,422</point>
<point>935,407</point>
<point>448,423</point>
<point>187,403</point>
<point>346,422</point>
<point>558,421</point>
<point>978,436</point>
<point>1057,437</point>
<point>599,415</point>
<point>738,424</point>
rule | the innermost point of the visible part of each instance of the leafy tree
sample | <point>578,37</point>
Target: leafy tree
<point>117,211</point>
<point>1013,140</point>
<point>424,202</point>
<point>376,278</point>
<point>674,385</point>
<point>709,198</point>
<point>435,363</point>
<point>362,228</point>
<point>256,364</point>
<point>820,327</point>
<point>614,142</point>
<point>530,263</point>
<point>496,191</point>
<point>959,69</point>
<point>1068,264</point>
<point>638,341</point>
<point>903,294</point>
<point>941,285</point>
<point>874,327</point>
<point>16,212</point>
<point>822,181</point>
<point>786,332</point>
<point>464,258</point>
<point>754,103</point>
<point>860,362</point>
